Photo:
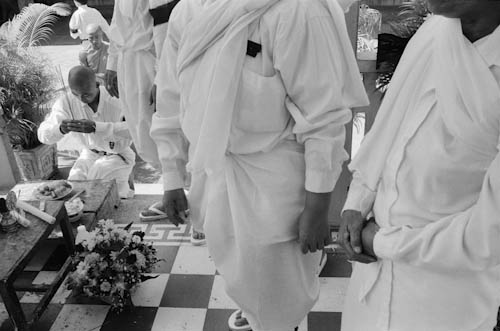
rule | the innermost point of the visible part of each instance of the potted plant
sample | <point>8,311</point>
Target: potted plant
<point>110,263</point>
<point>412,15</point>
<point>27,86</point>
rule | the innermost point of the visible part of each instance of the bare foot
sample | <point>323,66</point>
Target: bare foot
<point>198,235</point>
<point>240,320</point>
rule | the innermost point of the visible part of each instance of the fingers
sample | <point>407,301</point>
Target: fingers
<point>363,258</point>
<point>345,242</point>
<point>313,245</point>
<point>173,215</point>
<point>175,203</point>
<point>355,243</point>
<point>304,247</point>
<point>83,126</point>
<point>112,83</point>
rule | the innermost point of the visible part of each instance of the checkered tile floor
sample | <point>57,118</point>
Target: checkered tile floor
<point>187,295</point>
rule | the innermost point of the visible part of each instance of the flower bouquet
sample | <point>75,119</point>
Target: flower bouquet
<point>110,262</point>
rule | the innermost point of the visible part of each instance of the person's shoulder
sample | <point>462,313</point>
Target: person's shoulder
<point>83,54</point>
<point>65,101</point>
<point>184,11</point>
<point>294,11</point>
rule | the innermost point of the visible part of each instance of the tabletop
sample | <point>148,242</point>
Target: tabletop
<point>14,247</point>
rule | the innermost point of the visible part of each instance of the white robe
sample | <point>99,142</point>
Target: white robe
<point>82,18</point>
<point>286,135</point>
<point>429,170</point>
<point>111,136</point>
<point>132,56</point>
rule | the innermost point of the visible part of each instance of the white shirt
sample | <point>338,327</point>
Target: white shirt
<point>437,199</point>
<point>111,134</point>
<point>83,17</point>
<point>131,29</point>
<point>299,50</point>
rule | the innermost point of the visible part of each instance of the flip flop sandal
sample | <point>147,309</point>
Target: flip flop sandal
<point>232,322</point>
<point>153,213</point>
<point>196,241</point>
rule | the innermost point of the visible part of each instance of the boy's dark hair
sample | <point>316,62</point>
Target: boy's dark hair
<point>83,2</point>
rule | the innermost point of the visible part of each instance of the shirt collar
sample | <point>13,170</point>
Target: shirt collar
<point>488,47</point>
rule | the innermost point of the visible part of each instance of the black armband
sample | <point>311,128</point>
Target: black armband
<point>161,14</point>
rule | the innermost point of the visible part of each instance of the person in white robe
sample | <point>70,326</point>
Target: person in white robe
<point>82,18</point>
<point>131,70</point>
<point>252,104</point>
<point>94,119</point>
<point>428,172</point>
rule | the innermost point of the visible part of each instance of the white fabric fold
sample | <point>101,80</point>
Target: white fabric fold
<point>223,26</point>
<point>127,7</point>
<point>464,87</point>
<point>441,48</point>
<point>225,22</point>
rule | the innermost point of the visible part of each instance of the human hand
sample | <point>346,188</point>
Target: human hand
<point>314,231</point>
<point>350,231</point>
<point>81,126</point>
<point>111,79</point>
<point>367,236</point>
<point>152,97</point>
<point>175,205</point>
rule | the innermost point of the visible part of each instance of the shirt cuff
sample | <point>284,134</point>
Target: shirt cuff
<point>359,198</point>
<point>58,134</point>
<point>320,181</point>
<point>100,127</point>
<point>173,180</point>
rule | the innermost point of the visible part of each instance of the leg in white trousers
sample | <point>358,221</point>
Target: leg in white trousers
<point>92,166</point>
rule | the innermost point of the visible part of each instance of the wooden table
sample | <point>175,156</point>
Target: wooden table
<point>100,197</point>
<point>17,249</point>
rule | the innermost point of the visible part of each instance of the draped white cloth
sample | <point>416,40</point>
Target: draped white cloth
<point>257,132</point>
<point>226,22</point>
<point>429,170</point>
<point>132,56</point>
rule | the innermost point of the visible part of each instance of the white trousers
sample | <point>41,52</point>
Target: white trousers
<point>91,166</point>
<point>136,72</point>
<point>250,212</point>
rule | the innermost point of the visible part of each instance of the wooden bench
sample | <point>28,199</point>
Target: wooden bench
<point>17,249</point>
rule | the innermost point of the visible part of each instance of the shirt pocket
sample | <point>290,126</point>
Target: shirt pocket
<point>260,105</point>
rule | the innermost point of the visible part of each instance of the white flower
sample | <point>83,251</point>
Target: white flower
<point>136,239</point>
<point>92,258</point>
<point>105,286</point>
<point>91,243</point>
<point>81,269</point>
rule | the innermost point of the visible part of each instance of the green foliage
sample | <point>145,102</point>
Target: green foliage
<point>27,78</point>
<point>26,86</point>
<point>33,24</point>
<point>413,13</point>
